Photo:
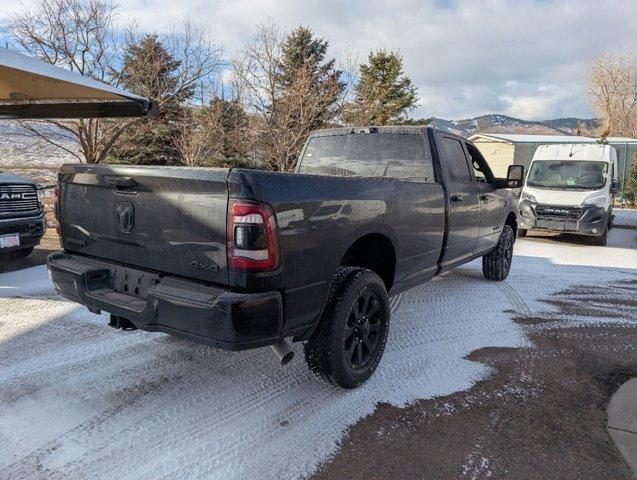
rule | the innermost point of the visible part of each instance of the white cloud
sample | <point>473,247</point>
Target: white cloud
<point>522,57</point>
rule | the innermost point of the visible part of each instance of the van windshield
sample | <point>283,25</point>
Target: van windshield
<point>568,174</point>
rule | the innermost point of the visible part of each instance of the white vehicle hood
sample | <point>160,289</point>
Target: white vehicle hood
<point>563,198</point>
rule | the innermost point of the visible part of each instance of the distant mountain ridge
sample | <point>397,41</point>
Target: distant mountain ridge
<point>497,123</point>
<point>20,148</point>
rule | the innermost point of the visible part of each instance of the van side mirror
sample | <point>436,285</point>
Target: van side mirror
<point>614,186</point>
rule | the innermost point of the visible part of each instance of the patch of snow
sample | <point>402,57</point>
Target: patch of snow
<point>625,217</point>
<point>78,399</point>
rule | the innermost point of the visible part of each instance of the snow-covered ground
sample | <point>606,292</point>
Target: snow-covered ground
<point>81,400</point>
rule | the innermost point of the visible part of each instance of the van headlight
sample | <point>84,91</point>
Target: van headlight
<point>41,194</point>
<point>598,201</point>
<point>528,196</point>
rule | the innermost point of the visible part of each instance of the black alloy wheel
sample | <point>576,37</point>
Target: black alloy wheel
<point>363,330</point>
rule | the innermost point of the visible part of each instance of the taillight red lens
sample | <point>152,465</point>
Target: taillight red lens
<point>252,238</point>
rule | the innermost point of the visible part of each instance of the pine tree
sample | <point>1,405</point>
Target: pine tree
<point>303,66</point>
<point>384,96</point>
<point>228,124</point>
<point>150,70</point>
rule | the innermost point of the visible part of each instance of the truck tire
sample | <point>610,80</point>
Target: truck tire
<point>350,339</point>
<point>25,252</point>
<point>522,232</point>
<point>497,263</point>
<point>16,254</point>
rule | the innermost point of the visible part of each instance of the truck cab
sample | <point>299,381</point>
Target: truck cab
<point>570,188</point>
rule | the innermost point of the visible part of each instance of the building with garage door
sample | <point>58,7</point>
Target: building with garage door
<point>502,150</point>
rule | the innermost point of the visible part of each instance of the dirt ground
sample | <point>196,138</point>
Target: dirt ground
<point>541,416</point>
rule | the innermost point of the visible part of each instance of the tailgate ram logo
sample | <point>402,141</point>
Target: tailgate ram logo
<point>125,216</point>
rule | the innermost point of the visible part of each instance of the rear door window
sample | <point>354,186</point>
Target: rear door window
<point>388,155</point>
<point>455,159</point>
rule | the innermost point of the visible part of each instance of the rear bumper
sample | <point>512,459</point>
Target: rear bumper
<point>592,221</point>
<point>31,230</point>
<point>192,310</point>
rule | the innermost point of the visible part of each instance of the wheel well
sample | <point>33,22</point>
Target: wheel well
<point>374,252</point>
<point>512,222</point>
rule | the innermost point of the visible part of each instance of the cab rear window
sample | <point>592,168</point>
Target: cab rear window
<point>384,155</point>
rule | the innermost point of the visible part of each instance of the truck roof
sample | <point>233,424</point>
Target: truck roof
<point>370,129</point>
<point>576,151</point>
<point>6,177</point>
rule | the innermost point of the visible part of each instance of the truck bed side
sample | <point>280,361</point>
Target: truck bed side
<point>320,218</point>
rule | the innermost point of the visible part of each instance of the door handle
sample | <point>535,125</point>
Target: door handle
<point>456,198</point>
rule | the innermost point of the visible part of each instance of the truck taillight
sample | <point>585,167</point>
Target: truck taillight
<point>252,237</point>
<point>56,209</point>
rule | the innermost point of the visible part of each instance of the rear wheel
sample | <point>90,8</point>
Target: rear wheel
<point>497,263</point>
<point>351,336</point>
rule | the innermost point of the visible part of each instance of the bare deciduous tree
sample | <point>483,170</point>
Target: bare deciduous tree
<point>193,138</point>
<point>78,35</point>
<point>215,135</point>
<point>283,113</point>
<point>612,81</point>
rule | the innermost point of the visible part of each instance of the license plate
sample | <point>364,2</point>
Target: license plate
<point>557,225</point>
<point>10,241</point>
<point>134,282</point>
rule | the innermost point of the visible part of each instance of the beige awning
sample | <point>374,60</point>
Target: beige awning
<point>31,88</point>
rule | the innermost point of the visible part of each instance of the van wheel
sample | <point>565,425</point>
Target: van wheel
<point>602,239</point>
<point>497,263</point>
<point>350,339</point>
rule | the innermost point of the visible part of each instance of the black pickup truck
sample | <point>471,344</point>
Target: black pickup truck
<point>21,217</point>
<point>240,258</point>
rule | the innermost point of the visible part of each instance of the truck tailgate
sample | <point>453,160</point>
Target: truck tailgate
<point>168,219</point>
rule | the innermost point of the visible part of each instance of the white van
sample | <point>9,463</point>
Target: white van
<point>570,188</point>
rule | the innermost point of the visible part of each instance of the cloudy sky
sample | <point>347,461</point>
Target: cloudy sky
<point>525,58</point>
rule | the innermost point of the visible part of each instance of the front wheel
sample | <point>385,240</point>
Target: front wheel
<point>16,254</point>
<point>497,263</point>
<point>602,239</point>
<point>350,339</point>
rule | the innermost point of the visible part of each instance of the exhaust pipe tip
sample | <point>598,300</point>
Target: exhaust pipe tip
<point>283,352</point>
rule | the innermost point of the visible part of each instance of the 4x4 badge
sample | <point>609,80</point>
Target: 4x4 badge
<point>125,216</point>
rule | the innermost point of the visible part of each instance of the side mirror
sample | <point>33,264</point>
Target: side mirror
<point>614,186</point>
<point>515,176</point>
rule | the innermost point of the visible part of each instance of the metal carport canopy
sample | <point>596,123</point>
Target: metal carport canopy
<point>31,89</point>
